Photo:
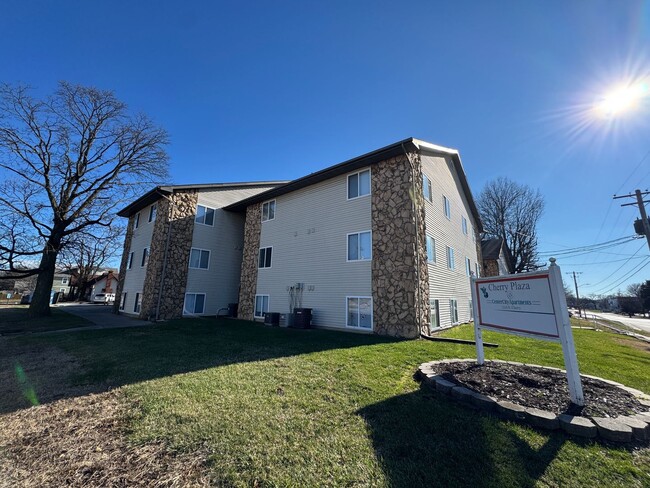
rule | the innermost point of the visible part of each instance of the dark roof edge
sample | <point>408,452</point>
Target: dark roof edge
<point>325,174</point>
<point>155,194</point>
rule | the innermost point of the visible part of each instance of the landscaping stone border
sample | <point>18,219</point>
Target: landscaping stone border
<point>622,429</point>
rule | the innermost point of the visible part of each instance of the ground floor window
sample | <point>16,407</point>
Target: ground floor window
<point>453,311</point>
<point>471,310</point>
<point>261,305</point>
<point>359,312</point>
<point>138,302</point>
<point>123,301</point>
<point>435,314</point>
<point>194,303</point>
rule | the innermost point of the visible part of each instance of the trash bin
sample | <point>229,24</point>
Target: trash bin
<point>272,318</point>
<point>302,318</point>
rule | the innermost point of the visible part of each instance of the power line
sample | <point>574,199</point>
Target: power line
<point>620,267</point>
<point>625,278</point>
<point>591,247</point>
<point>603,262</point>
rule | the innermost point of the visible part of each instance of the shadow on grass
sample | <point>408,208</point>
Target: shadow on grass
<point>14,320</point>
<point>76,363</point>
<point>446,444</point>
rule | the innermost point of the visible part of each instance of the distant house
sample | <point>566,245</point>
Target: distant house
<point>104,283</point>
<point>62,283</point>
<point>496,257</point>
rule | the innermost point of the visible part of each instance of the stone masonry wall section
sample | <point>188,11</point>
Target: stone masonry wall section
<point>398,245</point>
<point>248,282</point>
<point>125,257</point>
<point>181,213</point>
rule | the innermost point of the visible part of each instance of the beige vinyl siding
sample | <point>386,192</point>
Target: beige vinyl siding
<point>309,240</point>
<point>446,284</point>
<point>224,240</point>
<point>134,279</point>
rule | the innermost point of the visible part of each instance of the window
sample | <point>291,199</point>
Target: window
<point>359,312</point>
<point>145,257</point>
<point>453,311</point>
<point>129,263</point>
<point>265,257</point>
<point>136,220</point>
<point>64,281</point>
<point>261,305</point>
<point>123,301</point>
<point>447,206</point>
<point>464,226</point>
<point>431,249</point>
<point>478,275</point>
<point>471,310</point>
<point>434,310</point>
<point>194,303</point>
<point>204,215</point>
<point>360,246</point>
<point>152,213</point>
<point>426,188</point>
<point>468,267</point>
<point>62,290</point>
<point>268,211</point>
<point>359,184</point>
<point>138,302</point>
<point>199,258</point>
<point>451,263</point>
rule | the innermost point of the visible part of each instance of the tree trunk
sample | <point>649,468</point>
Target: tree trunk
<point>40,305</point>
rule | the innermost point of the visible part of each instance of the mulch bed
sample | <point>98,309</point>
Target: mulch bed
<point>541,388</point>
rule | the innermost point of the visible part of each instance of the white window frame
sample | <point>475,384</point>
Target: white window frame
<point>468,266</point>
<point>136,221</point>
<point>268,302</point>
<point>201,251</point>
<point>65,280</point>
<point>347,185</point>
<point>453,310</point>
<point>347,247</point>
<point>427,188</point>
<point>258,257</point>
<point>347,314</point>
<point>137,305</point>
<point>464,225</point>
<point>268,211</point>
<point>431,239</point>
<point>145,257</point>
<point>451,258</point>
<point>446,207</point>
<point>478,273</point>
<point>436,307</point>
<point>196,221</point>
<point>123,300</point>
<point>129,262</point>
<point>195,293</point>
<point>153,211</point>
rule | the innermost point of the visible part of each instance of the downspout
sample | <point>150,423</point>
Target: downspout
<point>418,304</point>
<point>164,268</point>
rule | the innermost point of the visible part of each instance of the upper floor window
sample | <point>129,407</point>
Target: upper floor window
<point>145,257</point>
<point>464,226</point>
<point>360,246</point>
<point>451,263</point>
<point>447,207</point>
<point>129,263</point>
<point>199,258</point>
<point>265,257</point>
<point>152,212</point>
<point>426,188</point>
<point>204,215</point>
<point>136,220</point>
<point>431,249</point>
<point>64,281</point>
<point>359,184</point>
<point>268,211</point>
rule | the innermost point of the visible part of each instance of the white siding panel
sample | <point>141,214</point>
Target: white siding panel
<point>309,240</point>
<point>445,284</point>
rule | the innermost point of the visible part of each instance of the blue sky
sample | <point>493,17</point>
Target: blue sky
<point>276,90</point>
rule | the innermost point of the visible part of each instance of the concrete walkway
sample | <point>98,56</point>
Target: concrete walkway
<point>100,315</point>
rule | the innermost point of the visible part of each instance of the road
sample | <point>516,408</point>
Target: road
<point>634,322</point>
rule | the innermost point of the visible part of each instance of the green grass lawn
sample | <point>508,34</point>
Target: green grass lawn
<point>13,319</point>
<point>282,407</point>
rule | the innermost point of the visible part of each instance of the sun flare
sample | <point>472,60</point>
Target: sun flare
<point>621,99</point>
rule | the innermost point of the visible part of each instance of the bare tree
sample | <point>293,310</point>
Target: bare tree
<point>68,161</point>
<point>511,211</point>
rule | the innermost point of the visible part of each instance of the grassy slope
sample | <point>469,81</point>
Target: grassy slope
<point>13,319</point>
<point>283,407</point>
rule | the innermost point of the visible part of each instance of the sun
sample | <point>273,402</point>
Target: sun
<point>621,99</point>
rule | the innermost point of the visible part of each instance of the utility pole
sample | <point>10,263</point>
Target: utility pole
<point>575,282</point>
<point>645,225</point>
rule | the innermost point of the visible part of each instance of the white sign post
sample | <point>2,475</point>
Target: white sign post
<point>529,305</point>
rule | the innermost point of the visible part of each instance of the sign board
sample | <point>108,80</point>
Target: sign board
<point>530,305</point>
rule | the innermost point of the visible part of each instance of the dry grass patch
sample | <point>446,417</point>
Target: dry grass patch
<point>81,442</point>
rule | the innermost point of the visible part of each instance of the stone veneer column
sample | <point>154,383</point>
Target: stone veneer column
<point>181,214</point>
<point>125,259</point>
<point>397,245</point>
<point>248,282</point>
